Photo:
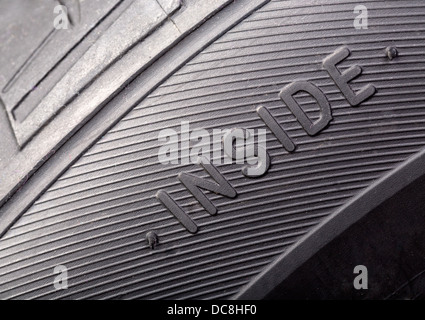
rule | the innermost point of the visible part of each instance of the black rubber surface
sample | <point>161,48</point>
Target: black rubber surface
<point>91,204</point>
<point>391,237</point>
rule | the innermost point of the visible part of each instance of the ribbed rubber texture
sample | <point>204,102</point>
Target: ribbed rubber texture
<point>95,217</point>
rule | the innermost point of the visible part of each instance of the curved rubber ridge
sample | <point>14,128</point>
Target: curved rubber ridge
<point>110,114</point>
<point>388,243</point>
<point>96,217</point>
<point>332,226</point>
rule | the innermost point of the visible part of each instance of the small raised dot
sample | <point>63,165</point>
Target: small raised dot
<point>391,52</point>
<point>152,239</point>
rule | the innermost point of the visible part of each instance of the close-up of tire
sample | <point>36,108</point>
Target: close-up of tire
<point>212,150</point>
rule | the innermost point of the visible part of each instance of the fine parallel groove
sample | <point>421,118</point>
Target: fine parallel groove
<point>226,172</point>
<point>93,219</point>
<point>158,267</point>
<point>117,164</point>
<point>238,63</point>
<point>331,47</point>
<point>224,211</point>
<point>200,120</point>
<point>198,249</point>
<point>280,114</point>
<point>234,170</point>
